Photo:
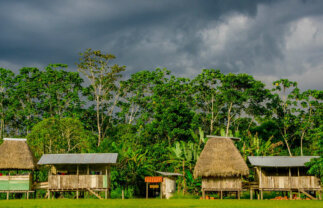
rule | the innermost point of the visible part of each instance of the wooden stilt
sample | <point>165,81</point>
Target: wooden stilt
<point>290,194</point>
<point>77,194</point>
<point>299,194</point>
<point>203,194</point>
<point>251,194</point>
<point>7,195</point>
<point>146,190</point>
<point>161,190</point>
<point>106,175</point>
<point>221,194</point>
<point>261,194</point>
<point>27,195</point>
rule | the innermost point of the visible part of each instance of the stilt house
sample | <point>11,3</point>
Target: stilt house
<point>284,173</point>
<point>79,172</point>
<point>221,166</point>
<point>17,163</point>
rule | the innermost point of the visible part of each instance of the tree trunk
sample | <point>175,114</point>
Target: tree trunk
<point>98,119</point>
<point>288,148</point>
<point>184,181</point>
<point>212,113</point>
<point>302,137</point>
<point>229,119</point>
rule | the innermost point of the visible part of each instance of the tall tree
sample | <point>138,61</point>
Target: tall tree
<point>6,85</point>
<point>104,91</point>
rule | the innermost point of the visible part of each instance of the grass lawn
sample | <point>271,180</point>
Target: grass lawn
<point>58,203</point>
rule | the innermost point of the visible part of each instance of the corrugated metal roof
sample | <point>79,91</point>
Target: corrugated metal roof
<point>280,161</point>
<point>86,158</point>
<point>168,173</point>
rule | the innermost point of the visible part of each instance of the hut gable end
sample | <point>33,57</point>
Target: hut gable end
<point>220,158</point>
<point>16,154</point>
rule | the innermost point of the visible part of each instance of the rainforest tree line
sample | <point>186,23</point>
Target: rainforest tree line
<point>154,119</point>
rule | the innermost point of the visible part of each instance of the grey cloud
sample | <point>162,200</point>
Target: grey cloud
<point>184,36</point>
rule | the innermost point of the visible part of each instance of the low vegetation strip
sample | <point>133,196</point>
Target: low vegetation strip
<point>113,203</point>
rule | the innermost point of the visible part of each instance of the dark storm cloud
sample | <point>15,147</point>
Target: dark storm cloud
<point>269,39</point>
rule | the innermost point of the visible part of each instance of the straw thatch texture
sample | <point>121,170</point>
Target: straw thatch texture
<point>16,155</point>
<point>220,158</point>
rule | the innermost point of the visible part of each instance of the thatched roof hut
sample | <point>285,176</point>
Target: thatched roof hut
<point>16,154</point>
<point>220,158</point>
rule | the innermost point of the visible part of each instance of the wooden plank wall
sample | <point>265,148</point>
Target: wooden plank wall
<point>295,182</point>
<point>15,183</point>
<point>229,183</point>
<point>76,182</point>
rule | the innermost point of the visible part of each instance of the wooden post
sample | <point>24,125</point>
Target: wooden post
<point>122,193</point>
<point>239,194</point>
<point>290,184</point>
<point>27,195</point>
<point>203,193</point>
<point>221,194</point>
<point>77,173</point>
<point>260,178</point>
<point>88,169</point>
<point>161,190</point>
<point>261,194</point>
<point>147,190</point>
<point>251,194</point>
<point>106,175</point>
<point>7,195</point>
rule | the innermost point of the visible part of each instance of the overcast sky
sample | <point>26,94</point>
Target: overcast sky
<point>268,39</point>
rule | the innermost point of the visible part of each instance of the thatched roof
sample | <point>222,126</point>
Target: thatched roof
<point>220,158</point>
<point>16,154</point>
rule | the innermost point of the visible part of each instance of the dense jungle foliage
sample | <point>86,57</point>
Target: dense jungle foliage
<point>154,119</point>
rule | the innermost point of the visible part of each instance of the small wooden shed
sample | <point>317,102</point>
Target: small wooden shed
<point>284,173</point>
<point>169,183</point>
<point>15,155</point>
<point>221,166</point>
<point>79,172</point>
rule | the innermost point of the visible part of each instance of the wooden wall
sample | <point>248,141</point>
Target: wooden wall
<point>222,183</point>
<point>77,181</point>
<point>16,183</point>
<point>287,181</point>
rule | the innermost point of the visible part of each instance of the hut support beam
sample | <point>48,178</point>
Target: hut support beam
<point>290,194</point>
<point>7,195</point>
<point>251,194</point>
<point>27,195</point>
<point>161,190</point>
<point>203,194</point>
<point>146,190</point>
<point>221,194</point>
<point>261,194</point>
<point>77,172</point>
<point>106,175</point>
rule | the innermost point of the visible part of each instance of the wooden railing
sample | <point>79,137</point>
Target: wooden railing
<point>77,181</point>
<point>293,182</point>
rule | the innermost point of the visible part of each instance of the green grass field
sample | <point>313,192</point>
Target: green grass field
<point>58,203</point>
